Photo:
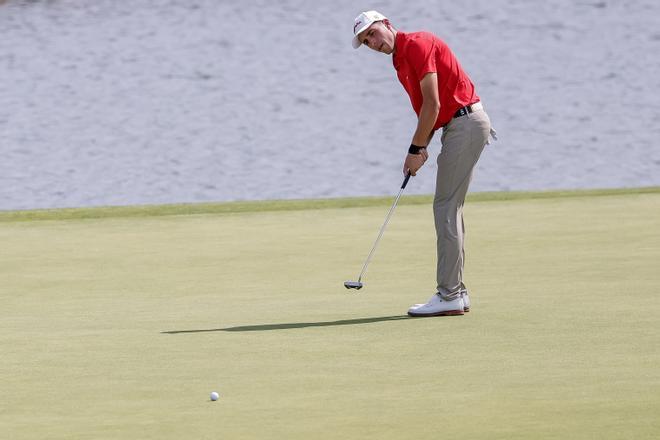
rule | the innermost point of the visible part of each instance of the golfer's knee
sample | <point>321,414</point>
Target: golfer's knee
<point>444,207</point>
<point>441,202</point>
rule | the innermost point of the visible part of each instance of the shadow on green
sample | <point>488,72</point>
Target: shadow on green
<point>267,327</point>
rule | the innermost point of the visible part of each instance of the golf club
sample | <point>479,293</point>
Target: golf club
<point>358,284</point>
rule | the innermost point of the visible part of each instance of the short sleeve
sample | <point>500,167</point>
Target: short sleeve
<point>420,57</point>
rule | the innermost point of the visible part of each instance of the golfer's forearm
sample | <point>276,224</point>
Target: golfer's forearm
<point>425,123</point>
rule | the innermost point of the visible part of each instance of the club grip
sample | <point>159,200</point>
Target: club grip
<point>405,181</point>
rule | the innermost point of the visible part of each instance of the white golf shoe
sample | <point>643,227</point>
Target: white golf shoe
<point>437,306</point>
<point>466,302</point>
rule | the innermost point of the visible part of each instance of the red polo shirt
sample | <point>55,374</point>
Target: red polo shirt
<point>419,53</point>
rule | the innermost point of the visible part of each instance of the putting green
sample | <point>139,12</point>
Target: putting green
<point>121,327</point>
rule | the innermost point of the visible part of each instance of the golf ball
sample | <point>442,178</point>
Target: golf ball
<point>214,396</point>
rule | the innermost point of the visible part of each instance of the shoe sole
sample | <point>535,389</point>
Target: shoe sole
<point>465,309</point>
<point>443,313</point>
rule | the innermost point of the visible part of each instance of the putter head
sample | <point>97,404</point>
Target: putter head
<point>353,285</point>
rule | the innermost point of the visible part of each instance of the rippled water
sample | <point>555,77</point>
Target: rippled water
<point>106,103</point>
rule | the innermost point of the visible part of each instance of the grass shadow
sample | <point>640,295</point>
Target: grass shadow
<point>287,326</point>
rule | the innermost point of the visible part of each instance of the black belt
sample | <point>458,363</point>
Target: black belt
<point>464,110</point>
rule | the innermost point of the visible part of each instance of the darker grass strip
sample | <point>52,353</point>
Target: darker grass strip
<point>291,205</point>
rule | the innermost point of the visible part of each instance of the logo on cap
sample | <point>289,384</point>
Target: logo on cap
<point>356,25</point>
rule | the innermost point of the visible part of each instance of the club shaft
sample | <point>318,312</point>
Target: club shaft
<point>380,234</point>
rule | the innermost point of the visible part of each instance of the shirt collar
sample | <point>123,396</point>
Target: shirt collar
<point>399,42</point>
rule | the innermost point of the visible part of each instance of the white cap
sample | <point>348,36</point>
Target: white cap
<point>363,21</point>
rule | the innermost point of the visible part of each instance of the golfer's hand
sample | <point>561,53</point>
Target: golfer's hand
<point>414,162</point>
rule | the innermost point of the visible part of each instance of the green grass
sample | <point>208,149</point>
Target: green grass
<point>119,324</point>
<point>290,205</point>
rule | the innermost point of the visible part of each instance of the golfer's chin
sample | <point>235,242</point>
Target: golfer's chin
<point>387,50</point>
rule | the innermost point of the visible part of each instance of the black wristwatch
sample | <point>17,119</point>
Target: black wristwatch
<point>414,149</point>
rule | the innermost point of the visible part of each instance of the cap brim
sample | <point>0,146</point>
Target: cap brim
<point>356,41</point>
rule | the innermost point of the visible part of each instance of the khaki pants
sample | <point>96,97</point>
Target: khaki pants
<point>463,140</point>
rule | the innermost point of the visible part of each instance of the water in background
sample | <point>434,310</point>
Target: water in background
<point>151,101</point>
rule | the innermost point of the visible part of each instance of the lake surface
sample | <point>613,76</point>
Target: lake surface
<point>116,103</point>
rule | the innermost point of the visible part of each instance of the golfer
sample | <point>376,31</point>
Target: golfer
<point>443,96</point>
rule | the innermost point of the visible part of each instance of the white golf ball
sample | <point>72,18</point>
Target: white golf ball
<point>214,396</point>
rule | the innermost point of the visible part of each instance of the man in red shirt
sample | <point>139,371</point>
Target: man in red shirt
<point>442,96</point>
